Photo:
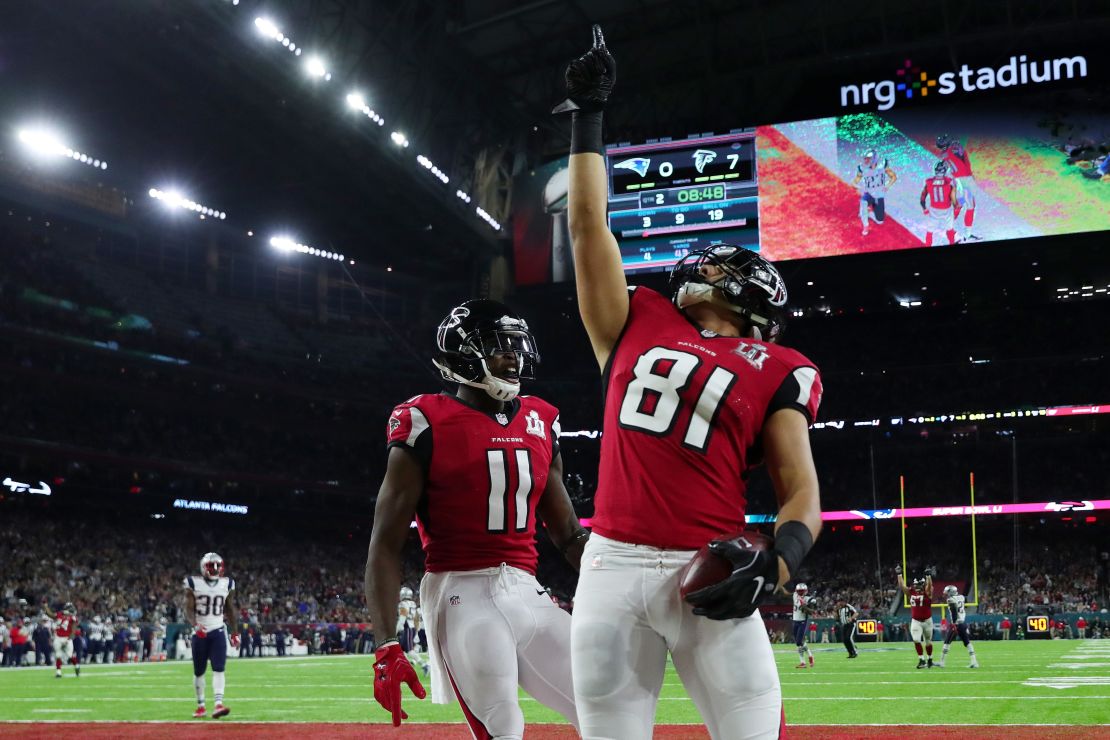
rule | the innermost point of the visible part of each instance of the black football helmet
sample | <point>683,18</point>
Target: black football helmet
<point>477,330</point>
<point>750,285</point>
<point>940,169</point>
<point>944,141</point>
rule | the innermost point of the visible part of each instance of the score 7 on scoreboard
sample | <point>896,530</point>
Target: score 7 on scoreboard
<point>667,198</point>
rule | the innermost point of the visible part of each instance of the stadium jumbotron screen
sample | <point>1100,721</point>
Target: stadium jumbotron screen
<point>866,182</point>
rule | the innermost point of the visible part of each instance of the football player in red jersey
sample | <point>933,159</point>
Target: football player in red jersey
<point>938,203</point>
<point>65,629</point>
<point>959,161</point>
<point>920,596</point>
<point>477,469</point>
<point>697,394</point>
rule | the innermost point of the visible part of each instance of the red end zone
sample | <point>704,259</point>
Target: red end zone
<point>298,731</point>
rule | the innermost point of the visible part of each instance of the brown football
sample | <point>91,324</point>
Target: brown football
<point>707,568</point>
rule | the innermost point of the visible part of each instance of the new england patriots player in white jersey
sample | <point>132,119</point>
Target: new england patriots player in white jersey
<point>208,605</point>
<point>957,625</point>
<point>801,624</point>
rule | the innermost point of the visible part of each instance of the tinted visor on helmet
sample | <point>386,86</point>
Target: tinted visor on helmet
<point>490,342</point>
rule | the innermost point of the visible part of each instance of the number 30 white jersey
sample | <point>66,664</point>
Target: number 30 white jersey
<point>210,599</point>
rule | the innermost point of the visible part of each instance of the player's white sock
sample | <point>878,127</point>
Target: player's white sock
<point>801,655</point>
<point>944,651</point>
<point>809,652</point>
<point>218,686</point>
<point>198,684</point>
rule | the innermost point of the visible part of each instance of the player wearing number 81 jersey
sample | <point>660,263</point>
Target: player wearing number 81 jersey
<point>208,605</point>
<point>697,394</point>
<point>477,468</point>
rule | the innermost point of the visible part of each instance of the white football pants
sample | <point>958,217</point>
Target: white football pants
<point>628,615</point>
<point>495,629</point>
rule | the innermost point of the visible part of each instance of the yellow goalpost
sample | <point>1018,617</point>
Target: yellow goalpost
<point>974,546</point>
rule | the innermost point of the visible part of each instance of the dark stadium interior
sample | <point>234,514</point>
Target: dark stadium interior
<point>149,358</point>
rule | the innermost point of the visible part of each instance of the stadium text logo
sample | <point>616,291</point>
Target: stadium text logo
<point>183,503</point>
<point>911,81</point>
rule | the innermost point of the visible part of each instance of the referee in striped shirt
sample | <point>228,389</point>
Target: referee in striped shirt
<point>847,616</point>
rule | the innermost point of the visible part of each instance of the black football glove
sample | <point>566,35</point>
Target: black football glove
<point>754,577</point>
<point>590,78</point>
<point>931,571</point>
<point>898,570</point>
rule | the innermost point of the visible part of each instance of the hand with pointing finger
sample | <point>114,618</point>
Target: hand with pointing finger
<point>590,78</point>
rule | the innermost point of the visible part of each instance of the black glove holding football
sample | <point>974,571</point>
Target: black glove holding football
<point>755,573</point>
<point>590,79</point>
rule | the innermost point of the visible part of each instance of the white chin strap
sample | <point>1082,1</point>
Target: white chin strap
<point>692,293</point>
<point>495,388</point>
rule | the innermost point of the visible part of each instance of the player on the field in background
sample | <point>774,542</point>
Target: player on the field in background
<point>65,629</point>
<point>920,596</point>
<point>408,628</point>
<point>801,600</point>
<point>873,177</point>
<point>697,395</point>
<point>208,605</point>
<point>938,203</point>
<point>959,161</point>
<point>478,469</point>
<point>957,625</point>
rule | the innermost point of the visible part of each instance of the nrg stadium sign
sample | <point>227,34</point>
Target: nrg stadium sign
<point>912,81</point>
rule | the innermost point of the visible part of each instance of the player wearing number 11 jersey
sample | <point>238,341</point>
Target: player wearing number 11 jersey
<point>208,605</point>
<point>477,468</point>
<point>697,394</point>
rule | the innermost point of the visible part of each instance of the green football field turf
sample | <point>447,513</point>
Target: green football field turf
<point>1035,682</point>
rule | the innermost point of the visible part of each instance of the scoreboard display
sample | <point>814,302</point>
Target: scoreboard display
<point>669,197</point>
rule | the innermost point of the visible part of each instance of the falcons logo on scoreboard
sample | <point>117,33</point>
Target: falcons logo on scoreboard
<point>702,157</point>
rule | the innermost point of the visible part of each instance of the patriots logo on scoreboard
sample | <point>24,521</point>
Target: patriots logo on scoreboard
<point>702,157</point>
<point>639,165</point>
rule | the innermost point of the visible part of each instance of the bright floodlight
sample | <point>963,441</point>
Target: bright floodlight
<point>41,141</point>
<point>315,67</point>
<point>356,101</point>
<point>267,28</point>
<point>399,138</point>
<point>283,243</point>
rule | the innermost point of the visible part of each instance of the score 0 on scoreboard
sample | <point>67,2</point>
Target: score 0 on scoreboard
<point>669,197</point>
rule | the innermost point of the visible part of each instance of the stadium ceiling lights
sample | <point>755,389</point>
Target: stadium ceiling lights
<point>357,102</point>
<point>315,66</point>
<point>427,164</point>
<point>287,244</point>
<point>269,29</point>
<point>43,142</point>
<point>174,199</point>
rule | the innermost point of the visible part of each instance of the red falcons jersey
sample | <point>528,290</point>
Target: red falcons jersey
<point>940,192</point>
<point>65,625</point>
<point>684,414</point>
<point>920,607</point>
<point>483,475</point>
<point>959,160</point>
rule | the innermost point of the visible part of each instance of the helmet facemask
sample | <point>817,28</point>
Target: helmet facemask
<point>465,347</point>
<point>743,282</point>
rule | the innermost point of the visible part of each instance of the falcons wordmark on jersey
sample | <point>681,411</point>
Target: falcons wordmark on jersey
<point>684,411</point>
<point>483,475</point>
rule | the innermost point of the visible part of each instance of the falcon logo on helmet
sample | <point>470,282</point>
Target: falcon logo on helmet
<point>919,583</point>
<point>212,566</point>
<point>476,331</point>
<point>735,278</point>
